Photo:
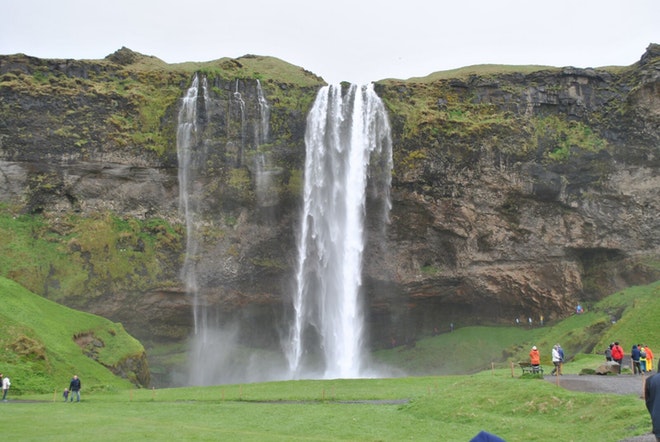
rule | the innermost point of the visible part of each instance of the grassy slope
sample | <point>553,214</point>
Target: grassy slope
<point>473,349</point>
<point>39,352</point>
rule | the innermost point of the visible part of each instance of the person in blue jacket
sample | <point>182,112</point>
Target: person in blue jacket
<point>635,355</point>
<point>652,398</point>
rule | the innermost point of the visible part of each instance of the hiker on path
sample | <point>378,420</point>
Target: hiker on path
<point>556,360</point>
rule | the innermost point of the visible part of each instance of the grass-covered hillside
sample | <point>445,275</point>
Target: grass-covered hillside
<point>629,316</point>
<point>43,344</point>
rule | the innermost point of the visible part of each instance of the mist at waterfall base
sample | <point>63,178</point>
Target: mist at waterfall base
<point>348,152</point>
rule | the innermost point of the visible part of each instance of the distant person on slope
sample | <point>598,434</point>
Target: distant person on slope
<point>652,398</point>
<point>74,388</point>
<point>535,359</point>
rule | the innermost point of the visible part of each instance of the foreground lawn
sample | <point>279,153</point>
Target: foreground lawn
<point>449,408</point>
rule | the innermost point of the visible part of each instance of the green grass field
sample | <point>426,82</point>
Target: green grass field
<point>443,408</point>
<point>490,394</point>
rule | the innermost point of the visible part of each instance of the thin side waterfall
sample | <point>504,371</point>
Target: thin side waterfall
<point>347,142</point>
<point>264,113</point>
<point>190,156</point>
<point>266,194</point>
<point>216,354</point>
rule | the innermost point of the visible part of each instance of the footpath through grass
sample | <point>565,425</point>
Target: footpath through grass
<point>447,408</point>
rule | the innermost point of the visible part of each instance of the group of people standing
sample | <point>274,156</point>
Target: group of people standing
<point>73,390</point>
<point>641,357</point>
<point>557,359</point>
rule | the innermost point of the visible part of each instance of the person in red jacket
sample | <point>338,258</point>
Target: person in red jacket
<point>617,355</point>
<point>535,359</point>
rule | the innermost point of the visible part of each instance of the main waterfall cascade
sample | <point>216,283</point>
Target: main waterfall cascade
<point>348,146</point>
<point>347,142</point>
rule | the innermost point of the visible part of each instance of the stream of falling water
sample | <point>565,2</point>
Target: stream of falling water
<point>189,157</point>
<point>344,132</point>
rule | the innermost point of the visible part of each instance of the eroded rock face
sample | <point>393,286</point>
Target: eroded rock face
<point>515,195</point>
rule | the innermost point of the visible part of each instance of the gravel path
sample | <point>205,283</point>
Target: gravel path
<point>621,384</point>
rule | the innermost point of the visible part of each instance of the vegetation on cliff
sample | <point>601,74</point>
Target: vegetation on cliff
<point>44,344</point>
<point>86,257</point>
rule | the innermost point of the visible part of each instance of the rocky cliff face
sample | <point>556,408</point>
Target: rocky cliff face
<point>516,193</point>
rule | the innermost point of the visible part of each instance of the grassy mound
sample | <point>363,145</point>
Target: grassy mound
<point>43,344</point>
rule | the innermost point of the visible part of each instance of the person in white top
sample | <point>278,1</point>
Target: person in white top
<point>5,387</point>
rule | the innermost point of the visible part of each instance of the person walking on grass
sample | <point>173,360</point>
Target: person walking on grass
<point>74,388</point>
<point>5,387</point>
<point>652,399</point>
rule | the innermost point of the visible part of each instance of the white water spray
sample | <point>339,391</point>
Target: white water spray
<point>344,132</point>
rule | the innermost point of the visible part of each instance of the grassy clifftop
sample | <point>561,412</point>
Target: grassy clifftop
<point>43,344</point>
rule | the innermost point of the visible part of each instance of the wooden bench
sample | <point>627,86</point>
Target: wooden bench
<point>528,368</point>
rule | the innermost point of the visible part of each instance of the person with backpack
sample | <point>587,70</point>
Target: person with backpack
<point>635,356</point>
<point>556,360</point>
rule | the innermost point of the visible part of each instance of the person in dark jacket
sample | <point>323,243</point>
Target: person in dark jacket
<point>635,355</point>
<point>652,398</point>
<point>74,388</point>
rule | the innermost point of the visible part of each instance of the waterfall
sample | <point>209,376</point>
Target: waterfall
<point>347,141</point>
<point>190,157</point>
<point>264,172</point>
<point>216,354</point>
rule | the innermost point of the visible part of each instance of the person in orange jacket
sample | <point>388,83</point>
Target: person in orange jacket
<point>535,359</point>
<point>649,358</point>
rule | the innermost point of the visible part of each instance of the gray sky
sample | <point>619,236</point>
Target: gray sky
<point>351,40</point>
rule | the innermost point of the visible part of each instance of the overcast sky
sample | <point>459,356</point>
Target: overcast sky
<point>340,40</point>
